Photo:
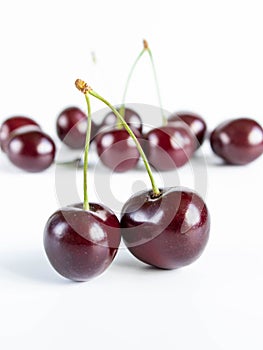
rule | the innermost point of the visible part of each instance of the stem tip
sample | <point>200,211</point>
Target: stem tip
<point>82,86</point>
<point>145,44</point>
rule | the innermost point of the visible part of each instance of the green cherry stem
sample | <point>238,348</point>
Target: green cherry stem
<point>164,119</point>
<point>87,90</point>
<point>86,155</point>
<point>122,108</point>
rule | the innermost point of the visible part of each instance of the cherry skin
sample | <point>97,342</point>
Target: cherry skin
<point>167,232</point>
<point>13,124</point>
<point>117,150</point>
<point>81,244</point>
<point>131,117</point>
<point>194,121</point>
<point>238,141</point>
<point>168,147</point>
<point>33,151</point>
<point>71,127</point>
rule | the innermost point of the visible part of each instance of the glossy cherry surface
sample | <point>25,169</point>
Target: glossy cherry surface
<point>169,147</point>
<point>238,141</point>
<point>194,121</point>
<point>82,244</point>
<point>117,150</point>
<point>168,232</point>
<point>33,151</point>
<point>131,117</point>
<point>71,127</point>
<point>13,124</point>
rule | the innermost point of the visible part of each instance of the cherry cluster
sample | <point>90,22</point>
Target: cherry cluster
<point>167,228</point>
<point>26,144</point>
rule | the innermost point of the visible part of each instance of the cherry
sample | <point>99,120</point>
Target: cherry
<point>13,124</point>
<point>194,121</point>
<point>81,244</point>
<point>81,240</point>
<point>117,150</point>
<point>131,117</point>
<point>168,231</point>
<point>238,141</point>
<point>169,146</point>
<point>167,228</point>
<point>71,127</point>
<point>33,151</point>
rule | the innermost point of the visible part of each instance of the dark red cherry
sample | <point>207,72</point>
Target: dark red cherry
<point>194,121</point>
<point>169,147</point>
<point>13,124</point>
<point>82,244</point>
<point>71,127</point>
<point>169,231</point>
<point>117,150</point>
<point>238,141</point>
<point>131,117</point>
<point>32,151</point>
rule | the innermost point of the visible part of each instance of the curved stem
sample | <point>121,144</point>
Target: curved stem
<point>156,191</point>
<point>122,108</point>
<point>164,119</point>
<point>86,155</point>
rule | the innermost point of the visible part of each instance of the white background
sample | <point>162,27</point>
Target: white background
<point>209,58</point>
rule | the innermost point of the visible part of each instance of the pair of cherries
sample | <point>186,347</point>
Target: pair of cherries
<point>167,228</point>
<point>26,145</point>
<point>166,147</point>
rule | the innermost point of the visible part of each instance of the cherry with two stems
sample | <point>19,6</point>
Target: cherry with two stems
<point>81,240</point>
<point>167,228</point>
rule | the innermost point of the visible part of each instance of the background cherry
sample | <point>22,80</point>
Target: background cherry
<point>117,150</point>
<point>81,244</point>
<point>13,124</point>
<point>71,127</point>
<point>170,146</point>
<point>131,117</point>
<point>33,151</point>
<point>194,121</point>
<point>168,231</point>
<point>238,141</point>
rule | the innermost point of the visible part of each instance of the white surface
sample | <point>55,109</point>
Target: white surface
<point>209,59</point>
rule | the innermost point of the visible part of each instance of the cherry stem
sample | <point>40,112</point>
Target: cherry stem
<point>85,89</point>
<point>122,108</point>
<point>164,119</point>
<point>86,155</point>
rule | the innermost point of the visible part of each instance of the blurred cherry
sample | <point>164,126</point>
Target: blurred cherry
<point>238,141</point>
<point>14,124</point>
<point>71,127</point>
<point>169,147</point>
<point>33,151</point>
<point>194,121</point>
